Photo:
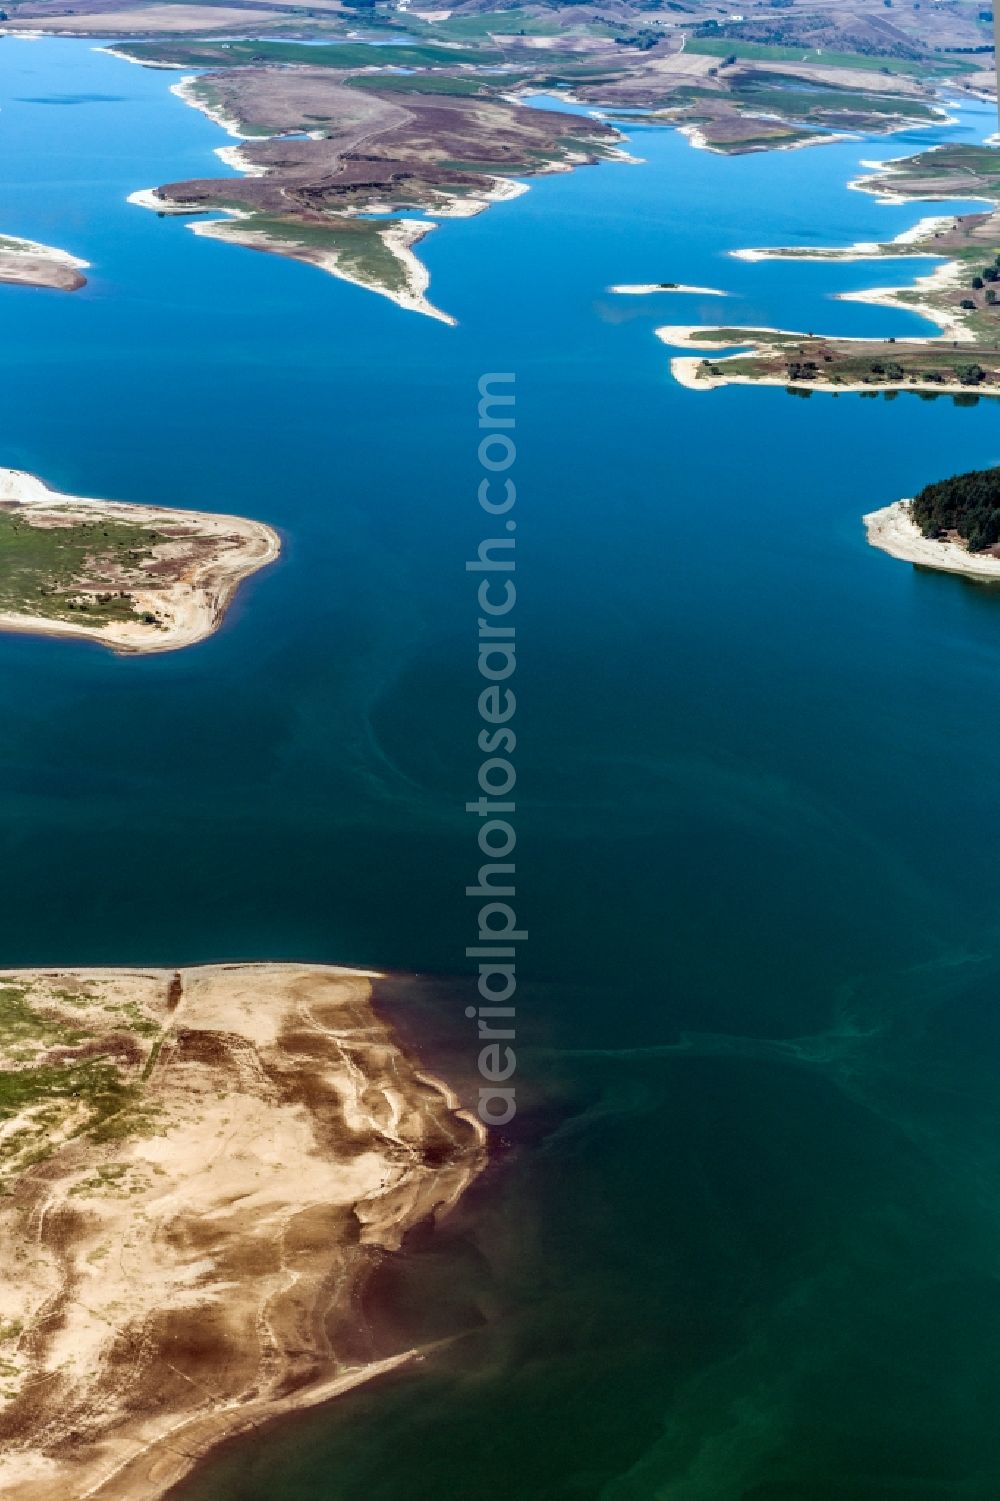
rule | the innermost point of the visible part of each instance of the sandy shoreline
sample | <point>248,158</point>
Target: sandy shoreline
<point>893,530</point>
<point>696,138</point>
<point>861,250</point>
<point>197,1272</point>
<point>946,277</point>
<point>877,169</point>
<point>685,371</point>
<point>199,566</point>
<point>29,263</point>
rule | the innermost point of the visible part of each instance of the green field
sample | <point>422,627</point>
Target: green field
<point>806,105</point>
<point>756,51</point>
<point>503,22</point>
<point>42,568</point>
<point>420,83</point>
<point>359,247</point>
<point>208,54</point>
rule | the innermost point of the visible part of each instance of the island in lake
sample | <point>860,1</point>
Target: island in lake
<point>952,525</point>
<point>136,578</point>
<point>198,1170</point>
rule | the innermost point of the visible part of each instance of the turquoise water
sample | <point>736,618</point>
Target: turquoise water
<point>743,1241</point>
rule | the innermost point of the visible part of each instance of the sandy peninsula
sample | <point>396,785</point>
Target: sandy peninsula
<point>408,290</point>
<point>28,263</point>
<point>894,531</point>
<point>904,244</point>
<point>200,1167</point>
<point>135,578</point>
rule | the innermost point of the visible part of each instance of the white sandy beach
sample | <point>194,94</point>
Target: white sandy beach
<point>893,530</point>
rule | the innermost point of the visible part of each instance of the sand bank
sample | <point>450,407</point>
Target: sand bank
<point>648,288</point>
<point>193,1266</point>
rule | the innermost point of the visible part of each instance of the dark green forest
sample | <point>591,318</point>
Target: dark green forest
<point>968,504</point>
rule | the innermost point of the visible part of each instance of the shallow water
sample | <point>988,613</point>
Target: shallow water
<point>743,1242</point>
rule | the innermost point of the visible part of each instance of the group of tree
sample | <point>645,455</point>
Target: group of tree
<point>968,504</point>
<point>990,273</point>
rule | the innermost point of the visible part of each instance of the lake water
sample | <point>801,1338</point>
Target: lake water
<point>743,1240</point>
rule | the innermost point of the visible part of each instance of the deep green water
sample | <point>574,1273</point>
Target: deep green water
<point>743,1243</point>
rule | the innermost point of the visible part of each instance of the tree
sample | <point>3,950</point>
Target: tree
<point>977,282</point>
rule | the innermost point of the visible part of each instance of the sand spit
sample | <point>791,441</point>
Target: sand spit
<point>693,335</point>
<point>861,250</point>
<point>191,1267</point>
<point>29,263</point>
<point>894,531</point>
<point>648,288</point>
<point>183,586</point>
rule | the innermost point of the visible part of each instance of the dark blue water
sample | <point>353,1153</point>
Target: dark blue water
<point>743,1241</point>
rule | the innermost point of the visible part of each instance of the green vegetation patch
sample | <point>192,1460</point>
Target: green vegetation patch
<point>762,52</point>
<point>809,104</point>
<point>97,1083</point>
<point>58,571</point>
<point>968,504</point>
<point>974,169</point>
<point>361,252</point>
<point>21,1023</point>
<point>885,365</point>
<point>419,83</point>
<point>240,54</point>
<point>513,22</point>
